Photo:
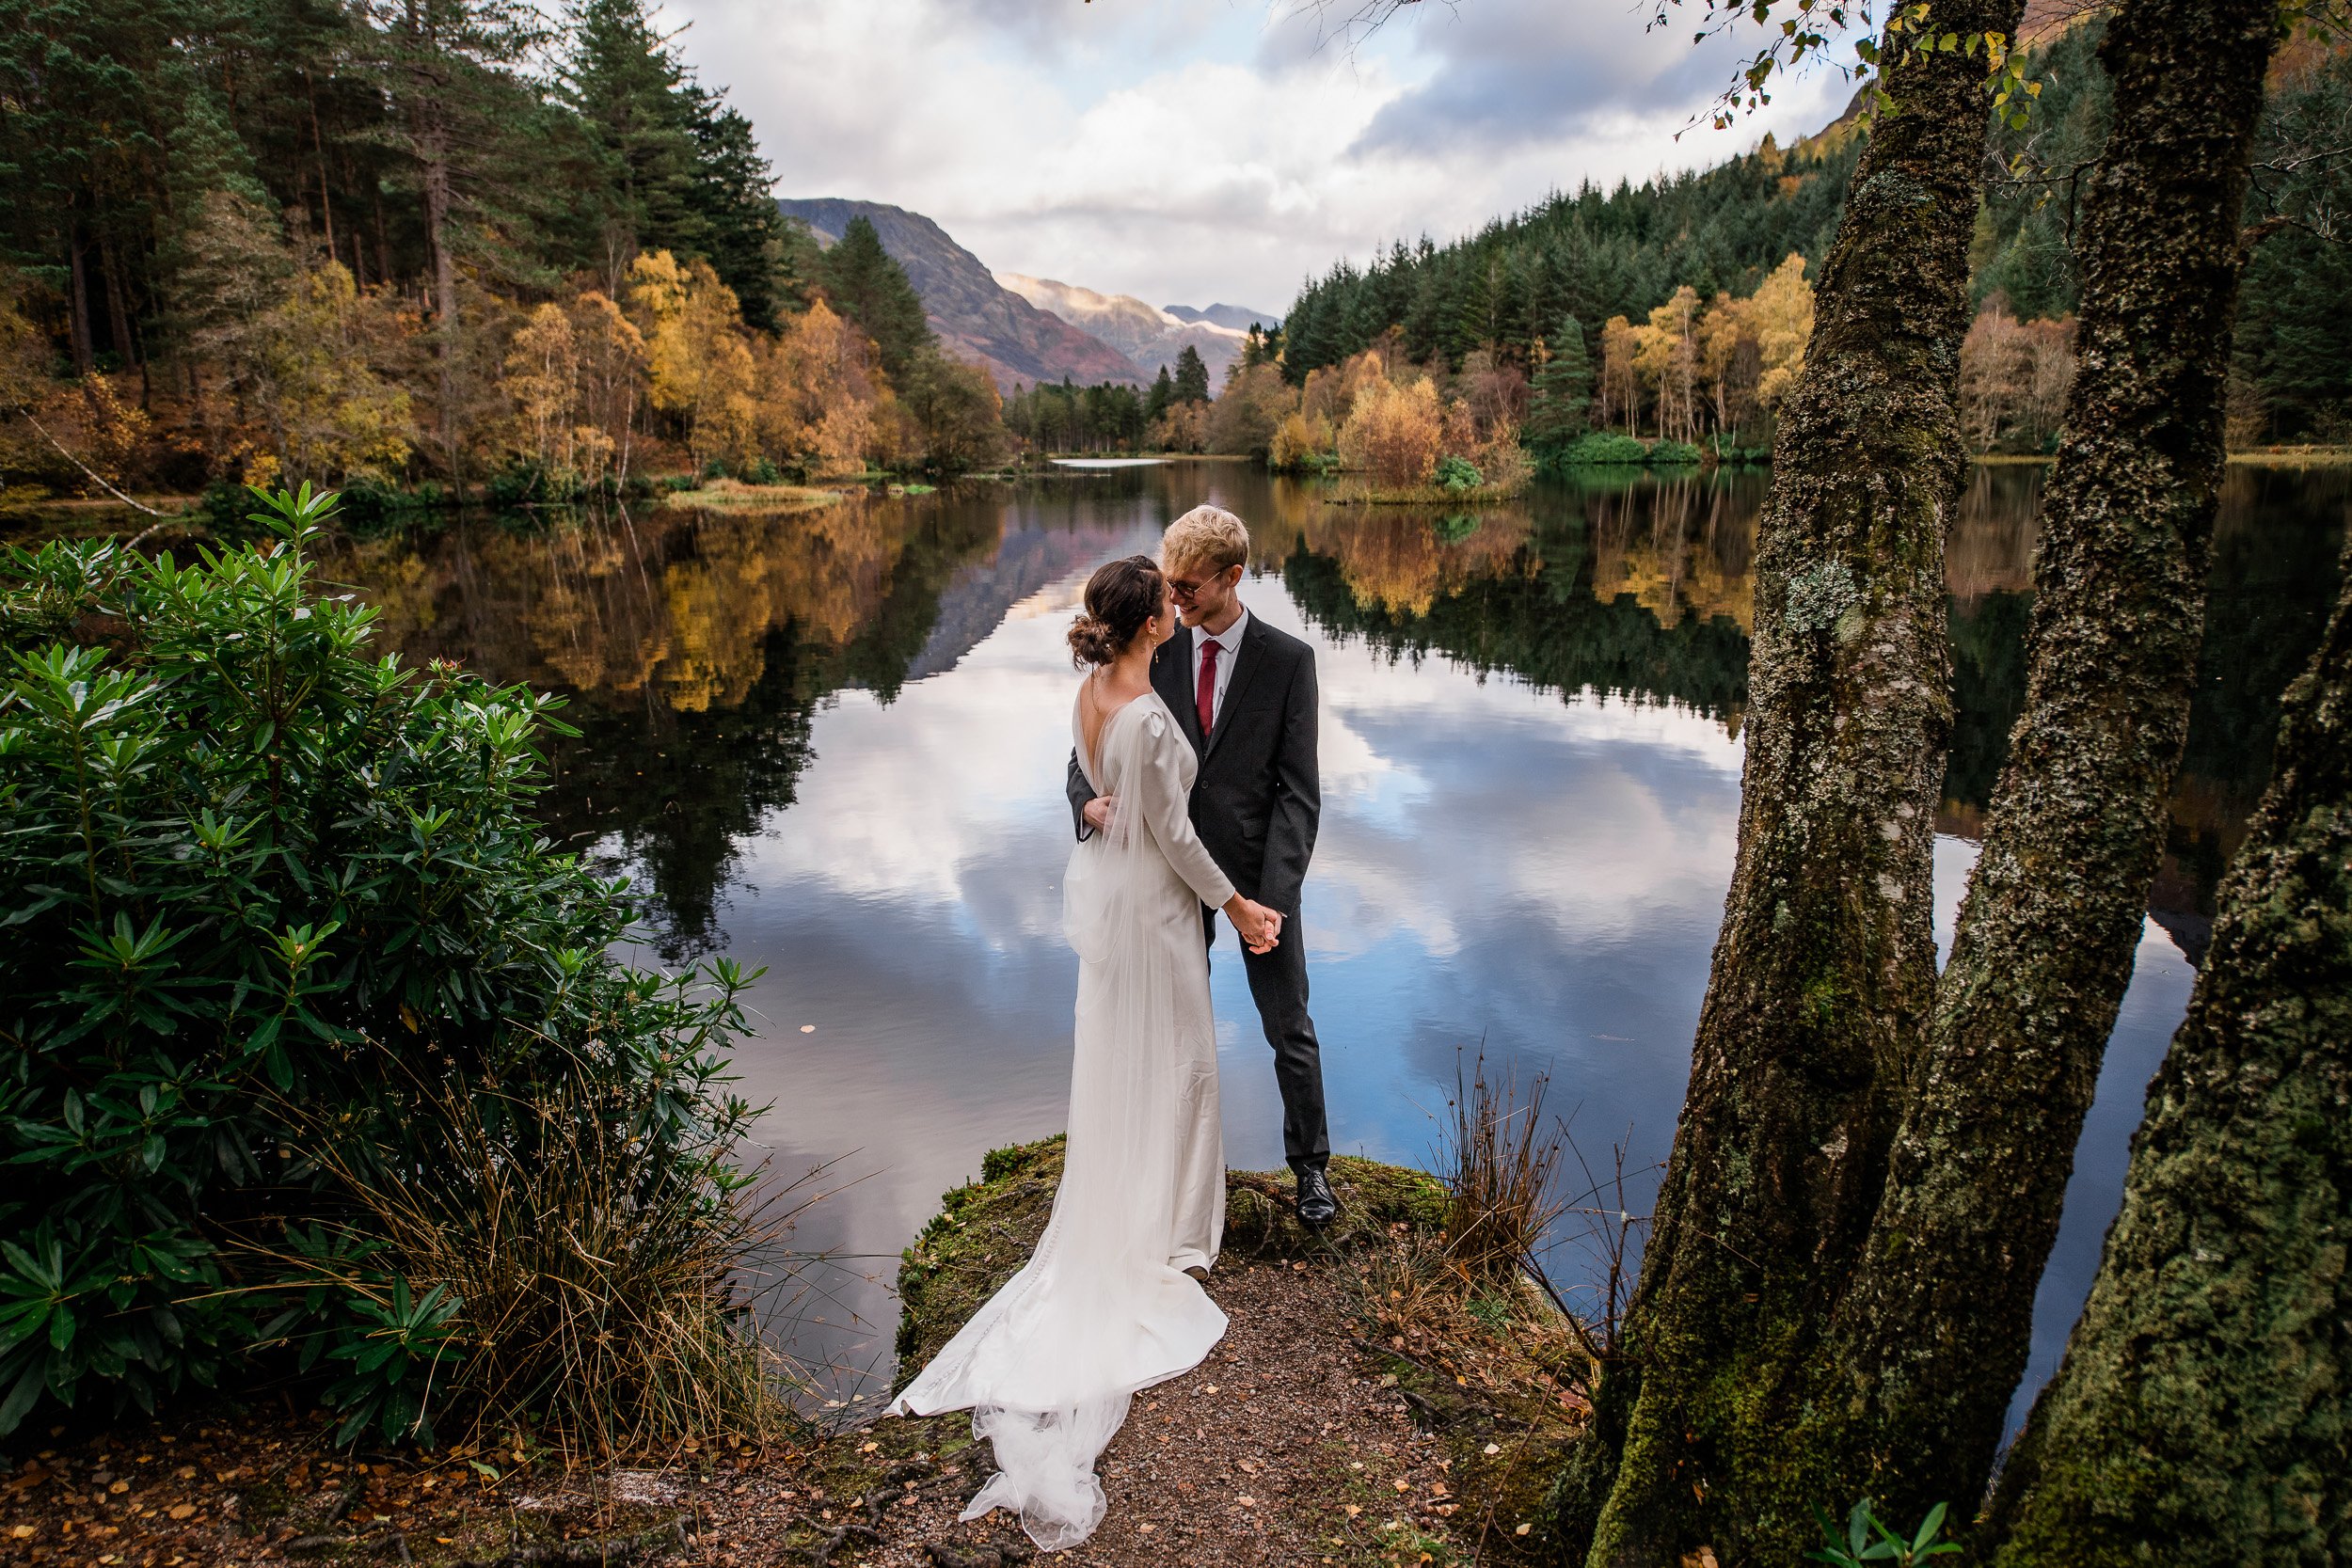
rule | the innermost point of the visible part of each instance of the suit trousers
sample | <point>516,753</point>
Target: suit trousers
<point>1277,984</point>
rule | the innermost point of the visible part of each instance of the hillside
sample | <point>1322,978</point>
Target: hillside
<point>977,318</point>
<point>1149,336</point>
<point>1590,254</point>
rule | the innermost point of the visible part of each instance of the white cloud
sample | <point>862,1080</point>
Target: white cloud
<point>1209,149</point>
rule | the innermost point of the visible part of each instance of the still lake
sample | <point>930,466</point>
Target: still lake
<point>831,744</point>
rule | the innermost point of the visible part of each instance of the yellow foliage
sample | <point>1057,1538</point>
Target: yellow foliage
<point>1666,356</point>
<point>1184,428</point>
<point>329,413</point>
<point>700,363</point>
<point>1620,384</point>
<point>1298,438</point>
<point>1332,391</point>
<point>1395,433</point>
<point>1780,315</point>
<point>818,392</point>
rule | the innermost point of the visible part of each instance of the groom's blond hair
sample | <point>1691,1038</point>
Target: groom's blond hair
<point>1207,536</point>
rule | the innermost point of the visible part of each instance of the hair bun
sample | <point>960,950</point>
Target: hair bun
<point>1092,642</point>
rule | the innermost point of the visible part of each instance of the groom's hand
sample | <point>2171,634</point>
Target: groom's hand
<point>1098,812</point>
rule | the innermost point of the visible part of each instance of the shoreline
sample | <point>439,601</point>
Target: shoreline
<point>1306,1436</point>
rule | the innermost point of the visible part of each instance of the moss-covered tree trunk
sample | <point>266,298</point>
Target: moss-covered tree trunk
<point>1824,971</point>
<point>1929,1341</point>
<point>2204,1412</point>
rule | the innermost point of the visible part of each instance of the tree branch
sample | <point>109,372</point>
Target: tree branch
<point>93,473</point>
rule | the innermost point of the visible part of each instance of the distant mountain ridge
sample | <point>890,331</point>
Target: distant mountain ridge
<point>977,318</point>
<point>1150,337</point>
<point>1237,317</point>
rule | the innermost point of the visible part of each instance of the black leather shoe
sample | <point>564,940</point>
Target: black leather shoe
<point>1315,1203</point>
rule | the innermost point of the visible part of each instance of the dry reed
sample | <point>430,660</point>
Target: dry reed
<point>1496,1164</point>
<point>602,1305</point>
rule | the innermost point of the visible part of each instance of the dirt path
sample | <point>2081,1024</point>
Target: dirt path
<point>1285,1446</point>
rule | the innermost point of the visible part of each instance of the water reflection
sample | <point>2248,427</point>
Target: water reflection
<point>832,743</point>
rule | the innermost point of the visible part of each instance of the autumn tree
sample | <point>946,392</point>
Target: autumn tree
<point>1395,433</point>
<point>697,360</point>
<point>818,401</point>
<point>1620,381</point>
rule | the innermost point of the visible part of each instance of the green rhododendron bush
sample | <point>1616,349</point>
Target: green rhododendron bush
<point>313,1062</point>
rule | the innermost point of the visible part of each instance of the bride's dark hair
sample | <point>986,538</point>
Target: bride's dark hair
<point>1120,596</point>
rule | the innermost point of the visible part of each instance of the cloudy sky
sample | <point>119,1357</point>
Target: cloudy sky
<point>1200,150</point>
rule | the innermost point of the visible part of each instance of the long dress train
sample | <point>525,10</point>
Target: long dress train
<point>1102,1308</point>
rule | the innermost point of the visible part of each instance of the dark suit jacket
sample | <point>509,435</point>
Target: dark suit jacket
<point>1257,799</point>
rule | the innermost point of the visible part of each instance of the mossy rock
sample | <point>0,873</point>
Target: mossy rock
<point>984,1230</point>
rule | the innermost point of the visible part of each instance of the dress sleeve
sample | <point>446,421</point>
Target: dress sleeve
<point>1168,813</point>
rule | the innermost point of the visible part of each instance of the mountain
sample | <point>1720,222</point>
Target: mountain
<point>977,318</point>
<point>1148,336</point>
<point>1237,317</point>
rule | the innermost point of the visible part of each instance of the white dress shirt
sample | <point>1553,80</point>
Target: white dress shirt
<point>1228,645</point>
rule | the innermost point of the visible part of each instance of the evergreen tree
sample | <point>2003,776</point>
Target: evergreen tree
<point>745,237</point>
<point>869,288</point>
<point>682,172</point>
<point>1192,376</point>
<point>630,93</point>
<point>1561,400</point>
<point>1163,394</point>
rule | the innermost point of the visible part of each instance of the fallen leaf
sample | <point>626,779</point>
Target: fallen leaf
<point>1402,1485</point>
<point>181,1511</point>
<point>1493,1448</point>
<point>1247,1501</point>
<point>1354,1509</point>
<point>21,1532</point>
<point>119,1487</point>
<point>808,1028</point>
<point>1522,1529</point>
<point>1146,1529</point>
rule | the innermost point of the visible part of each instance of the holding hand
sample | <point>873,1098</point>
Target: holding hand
<point>1258,926</point>
<point>1099,811</point>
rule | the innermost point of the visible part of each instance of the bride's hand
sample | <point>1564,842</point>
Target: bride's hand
<point>1258,926</point>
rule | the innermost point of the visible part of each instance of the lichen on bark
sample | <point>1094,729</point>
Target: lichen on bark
<point>1824,970</point>
<point>1907,1401</point>
<point>2204,1412</point>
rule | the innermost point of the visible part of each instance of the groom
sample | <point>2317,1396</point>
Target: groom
<point>1245,693</point>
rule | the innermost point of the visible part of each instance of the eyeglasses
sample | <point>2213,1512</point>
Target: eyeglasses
<point>1183,589</point>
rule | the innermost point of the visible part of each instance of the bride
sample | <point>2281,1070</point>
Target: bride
<point>1111,1300</point>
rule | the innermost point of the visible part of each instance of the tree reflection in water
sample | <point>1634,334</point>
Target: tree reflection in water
<point>1638,587</point>
<point>697,646</point>
<point>695,649</point>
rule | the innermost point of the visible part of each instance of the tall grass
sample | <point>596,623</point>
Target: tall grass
<point>1496,1164</point>
<point>607,1311</point>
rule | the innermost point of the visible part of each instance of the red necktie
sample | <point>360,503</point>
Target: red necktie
<point>1204,700</point>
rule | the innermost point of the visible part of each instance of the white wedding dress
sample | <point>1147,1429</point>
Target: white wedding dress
<point>1102,1308</point>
